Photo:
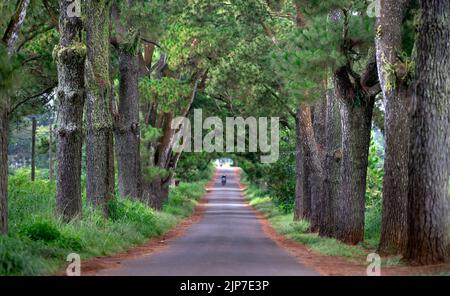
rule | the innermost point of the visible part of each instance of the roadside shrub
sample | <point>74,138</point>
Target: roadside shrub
<point>129,210</point>
<point>42,230</point>
<point>69,242</point>
<point>16,258</point>
<point>38,242</point>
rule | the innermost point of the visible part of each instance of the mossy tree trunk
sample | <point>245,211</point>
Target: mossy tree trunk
<point>428,222</point>
<point>126,119</point>
<point>99,146</point>
<point>397,124</point>
<point>70,57</point>
<point>10,40</point>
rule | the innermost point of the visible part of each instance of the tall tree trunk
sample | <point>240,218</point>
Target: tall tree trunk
<point>318,177</point>
<point>397,125</point>
<point>303,202</point>
<point>4,123</point>
<point>356,124</point>
<point>10,40</point>
<point>333,156</point>
<point>70,57</point>
<point>33,149</point>
<point>127,129</point>
<point>312,165</point>
<point>302,192</point>
<point>99,147</point>
<point>50,153</point>
<point>430,134</point>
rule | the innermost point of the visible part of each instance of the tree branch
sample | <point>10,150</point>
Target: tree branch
<point>44,92</point>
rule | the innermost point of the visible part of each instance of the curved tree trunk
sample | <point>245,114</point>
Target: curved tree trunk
<point>4,123</point>
<point>99,146</point>
<point>428,221</point>
<point>15,24</point>
<point>397,125</point>
<point>156,190</point>
<point>312,166</point>
<point>10,40</point>
<point>70,60</point>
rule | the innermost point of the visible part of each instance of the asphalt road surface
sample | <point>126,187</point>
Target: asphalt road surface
<point>228,241</point>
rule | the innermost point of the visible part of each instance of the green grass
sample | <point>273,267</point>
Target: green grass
<point>38,243</point>
<point>299,230</point>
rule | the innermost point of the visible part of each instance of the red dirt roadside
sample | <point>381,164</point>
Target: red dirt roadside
<point>91,266</point>
<point>338,266</point>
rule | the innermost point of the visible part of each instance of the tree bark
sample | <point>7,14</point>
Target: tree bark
<point>397,125</point>
<point>318,177</point>
<point>10,40</point>
<point>430,134</point>
<point>50,153</point>
<point>15,24</point>
<point>302,192</point>
<point>156,190</point>
<point>127,129</point>
<point>99,147</point>
<point>33,149</point>
<point>4,123</point>
<point>158,193</point>
<point>333,156</point>
<point>356,123</point>
<point>70,57</point>
<point>312,166</point>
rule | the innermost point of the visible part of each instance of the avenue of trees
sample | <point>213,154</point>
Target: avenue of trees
<point>333,71</point>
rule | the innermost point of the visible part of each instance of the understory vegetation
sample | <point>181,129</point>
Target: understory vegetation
<point>263,194</point>
<point>38,242</point>
<point>299,231</point>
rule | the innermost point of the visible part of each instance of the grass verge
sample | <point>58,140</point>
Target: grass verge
<point>38,242</point>
<point>299,230</point>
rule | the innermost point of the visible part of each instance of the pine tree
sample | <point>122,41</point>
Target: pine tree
<point>428,226</point>
<point>99,144</point>
<point>7,50</point>
<point>127,127</point>
<point>70,58</point>
<point>393,81</point>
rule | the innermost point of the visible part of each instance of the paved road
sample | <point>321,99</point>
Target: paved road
<point>228,241</point>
